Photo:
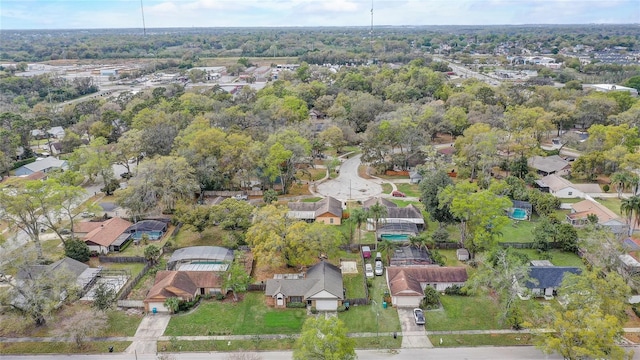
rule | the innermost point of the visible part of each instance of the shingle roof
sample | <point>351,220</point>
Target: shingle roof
<point>408,212</point>
<point>378,200</point>
<point>406,280</point>
<point>322,276</point>
<point>68,264</point>
<point>310,210</point>
<point>108,231</point>
<point>549,276</point>
<point>555,182</point>
<point>46,163</point>
<point>171,284</point>
<point>583,208</point>
<point>548,164</point>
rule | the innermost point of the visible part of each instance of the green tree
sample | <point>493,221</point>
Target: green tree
<point>621,180</point>
<point>104,296</point>
<point>77,250</point>
<point>480,212</point>
<point>232,214</point>
<point>358,216</point>
<point>152,254</point>
<point>631,208</point>
<point>431,298</point>
<point>236,278</point>
<point>589,320</point>
<point>388,247</point>
<point>377,212</point>
<point>197,217</point>
<point>324,338</point>
<point>430,187</point>
<point>173,304</point>
<point>269,196</point>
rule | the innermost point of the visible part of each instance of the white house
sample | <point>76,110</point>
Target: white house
<point>563,188</point>
<point>45,165</point>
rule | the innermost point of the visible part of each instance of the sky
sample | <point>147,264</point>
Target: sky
<point>91,14</point>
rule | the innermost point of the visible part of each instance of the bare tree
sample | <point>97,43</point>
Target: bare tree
<point>81,325</point>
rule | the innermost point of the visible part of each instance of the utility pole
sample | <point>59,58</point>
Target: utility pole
<point>144,27</point>
<point>371,31</point>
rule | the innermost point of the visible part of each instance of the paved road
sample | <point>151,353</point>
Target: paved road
<point>348,185</point>
<point>478,353</point>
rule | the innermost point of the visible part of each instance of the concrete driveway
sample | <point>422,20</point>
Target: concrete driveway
<point>150,329</point>
<point>413,336</point>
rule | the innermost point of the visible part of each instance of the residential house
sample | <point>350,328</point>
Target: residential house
<point>154,229</point>
<point>327,210</point>
<point>547,279</point>
<point>580,212</point>
<point>407,283</point>
<point>414,177</point>
<point>81,274</point>
<point>185,285</point>
<point>321,287</point>
<point>106,236</point>
<point>45,165</point>
<point>563,188</point>
<point>409,214</point>
<point>378,200</point>
<point>547,165</point>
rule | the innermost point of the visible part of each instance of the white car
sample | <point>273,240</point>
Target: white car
<point>418,315</point>
<point>379,268</point>
<point>368,270</point>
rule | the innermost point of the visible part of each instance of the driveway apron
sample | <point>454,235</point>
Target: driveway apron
<point>150,329</point>
<point>413,336</point>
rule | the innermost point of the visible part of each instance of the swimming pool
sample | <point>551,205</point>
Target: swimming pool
<point>395,237</point>
<point>519,214</point>
<point>153,235</point>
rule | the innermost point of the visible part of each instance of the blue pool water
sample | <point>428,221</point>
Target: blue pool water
<point>519,214</point>
<point>395,237</point>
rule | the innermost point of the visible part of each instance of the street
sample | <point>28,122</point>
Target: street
<point>477,353</point>
<point>348,185</point>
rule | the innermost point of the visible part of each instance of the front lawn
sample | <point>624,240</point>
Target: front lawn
<point>248,316</point>
<point>387,188</point>
<point>93,347</point>
<point>409,189</point>
<point>464,313</point>
<point>481,340</point>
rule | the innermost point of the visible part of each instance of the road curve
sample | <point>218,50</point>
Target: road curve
<point>349,185</point>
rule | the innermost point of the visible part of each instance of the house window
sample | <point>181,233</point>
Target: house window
<point>331,221</point>
<point>570,193</point>
<point>295,299</point>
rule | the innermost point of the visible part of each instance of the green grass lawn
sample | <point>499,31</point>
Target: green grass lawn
<point>312,199</point>
<point>464,313</point>
<point>93,347</point>
<point>521,231</point>
<point>246,317</point>
<point>354,283</point>
<point>481,340</point>
<point>387,188</point>
<point>558,257</point>
<point>409,189</point>
<point>612,204</point>
<point>363,318</point>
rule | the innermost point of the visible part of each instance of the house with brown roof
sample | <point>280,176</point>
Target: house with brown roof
<point>105,236</point>
<point>327,210</point>
<point>185,285</point>
<point>407,283</point>
<point>580,212</point>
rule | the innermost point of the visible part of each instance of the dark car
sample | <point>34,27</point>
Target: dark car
<point>418,315</point>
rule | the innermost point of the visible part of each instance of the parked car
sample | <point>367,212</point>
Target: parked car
<point>241,197</point>
<point>65,231</point>
<point>378,256</point>
<point>368,270</point>
<point>397,193</point>
<point>379,270</point>
<point>418,315</point>
<point>366,252</point>
<point>86,214</point>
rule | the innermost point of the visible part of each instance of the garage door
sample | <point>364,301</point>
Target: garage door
<point>407,301</point>
<point>158,306</point>
<point>326,305</point>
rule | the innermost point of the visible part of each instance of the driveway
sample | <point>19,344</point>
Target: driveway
<point>348,185</point>
<point>150,329</point>
<point>413,336</point>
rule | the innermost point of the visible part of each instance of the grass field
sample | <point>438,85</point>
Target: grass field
<point>387,188</point>
<point>612,204</point>
<point>247,317</point>
<point>354,283</point>
<point>464,313</point>
<point>409,189</point>
<point>558,257</point>
<point>521,231</point>
<point>481,340</point>
<point>93,347</point>
<point>363,318</point>
<point>312,199</point>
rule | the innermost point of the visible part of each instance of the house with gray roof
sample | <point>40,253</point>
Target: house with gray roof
<point>45,165</point>
<point>410,215</point>
<point>563,188</point>
<point>547,165</point>
<point>327,210</point>
<point>545,280</point>
<point>321,287</point>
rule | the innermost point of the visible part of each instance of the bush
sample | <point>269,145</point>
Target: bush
<point>342,308</point>
<point>431,298</point>
<point>636,309</point>
<point>605,188</point>
<point>77,250</point>
<point>455,290</point>
<point>314,310</point>
<point>220,296</point>
<point>17,164</point>
<point>296,305</point>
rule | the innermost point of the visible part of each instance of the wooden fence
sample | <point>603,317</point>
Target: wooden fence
<point>122,259</point>
<point>257,287</point>
<point>447,245</point>
<point>126,290</point>
<point>130,303</point>
<point>357,301</point>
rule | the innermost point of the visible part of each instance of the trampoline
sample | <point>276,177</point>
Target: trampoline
<point>518,214</point>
